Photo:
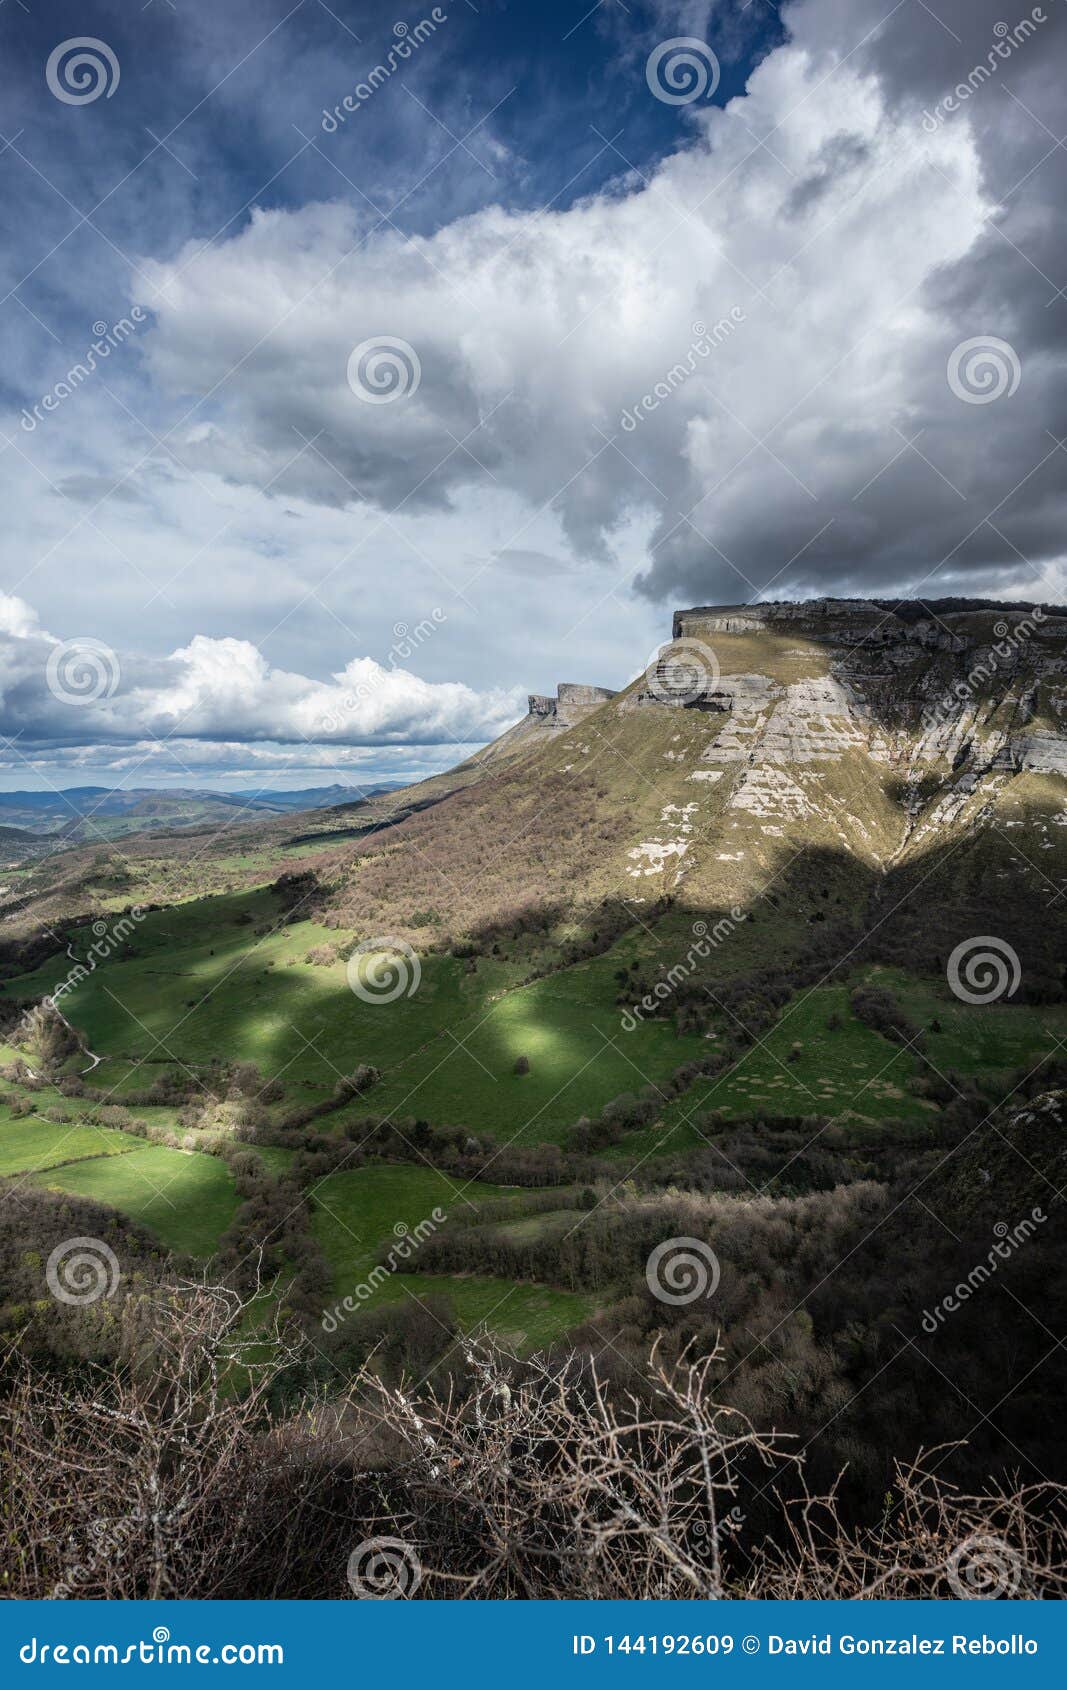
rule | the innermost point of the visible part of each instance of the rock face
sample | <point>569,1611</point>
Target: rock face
<point>572,703</point>
<point>850,731</point>
<point>809,764</point>
<point>983,689</point>
<point>853,729</point>
<point>546,717</point>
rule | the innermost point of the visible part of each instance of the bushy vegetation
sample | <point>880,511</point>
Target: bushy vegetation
<point>510,1480</point>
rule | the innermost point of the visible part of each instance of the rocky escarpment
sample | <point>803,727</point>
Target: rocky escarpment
<point>982,690</point>
<point>572,702</point>
<point>856,724</point>
<point>546,717</point>
<point>938,624</point>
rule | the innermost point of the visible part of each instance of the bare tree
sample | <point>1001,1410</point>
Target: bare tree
<point>176,1472</point>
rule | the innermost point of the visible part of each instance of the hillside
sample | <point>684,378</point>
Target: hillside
<point>841,732</point>
<point>765,949</point>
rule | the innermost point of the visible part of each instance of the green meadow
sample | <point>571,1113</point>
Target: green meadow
<point>984,1041</point>
<point>356,1218</point>
<point>201,983</point>
<point>29,1145</point>
<point>568,1027</point>
<point>185,1199</point>
<point>225,978</point>
<point>801,1067</point>
<point>219,978</point>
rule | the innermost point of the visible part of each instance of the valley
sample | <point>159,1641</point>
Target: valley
<point>764,951</point>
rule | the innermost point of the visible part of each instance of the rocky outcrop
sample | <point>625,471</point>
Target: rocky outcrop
<point>967,683</point>
<point>573,701</point>
<point>946,623</point>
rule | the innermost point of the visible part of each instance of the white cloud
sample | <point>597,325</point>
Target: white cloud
<point>535,332</point>
<point>55,694</point>
<point>817,448</point>
<point>225,765</point>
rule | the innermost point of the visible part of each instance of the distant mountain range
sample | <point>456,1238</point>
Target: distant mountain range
<point>85,813</point>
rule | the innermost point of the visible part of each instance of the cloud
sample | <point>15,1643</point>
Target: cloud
<point>819,447</point>
<point>80,694</point>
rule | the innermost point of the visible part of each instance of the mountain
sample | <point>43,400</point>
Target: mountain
<point>758,960</point>
<point>79,808</point>
<point>908,756</point>
<point>866,751</point>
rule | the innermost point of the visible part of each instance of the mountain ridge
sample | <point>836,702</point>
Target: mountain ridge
<point>807,732</point>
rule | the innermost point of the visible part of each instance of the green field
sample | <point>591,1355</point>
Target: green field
<point>853,1074</point>
<point>185,1199</point>
<point>28,1145</point>
<point>356,1218</point>
<point>201,983</point>
<point>568,1026</point>
<point>800,1067</point>
<point>983,1040</point>
<point>221,979</point>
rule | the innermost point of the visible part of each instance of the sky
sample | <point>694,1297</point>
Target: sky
<point>366,369</point>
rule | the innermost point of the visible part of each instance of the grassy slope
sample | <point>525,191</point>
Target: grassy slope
<point>197,984</point>
<point>568,1026</point>
<point>799,1068</point>
<point>186,1199</point>
<point>201,985</point>
<point>983,1040</point>
<point>29,1145</point>
<point>356,1217</point>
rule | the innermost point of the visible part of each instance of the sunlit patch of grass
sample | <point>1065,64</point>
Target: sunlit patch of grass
<point>185,1199</point>
<point>29,1144</point>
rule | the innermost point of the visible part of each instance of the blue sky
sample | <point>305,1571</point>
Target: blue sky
<point>660,350</point>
